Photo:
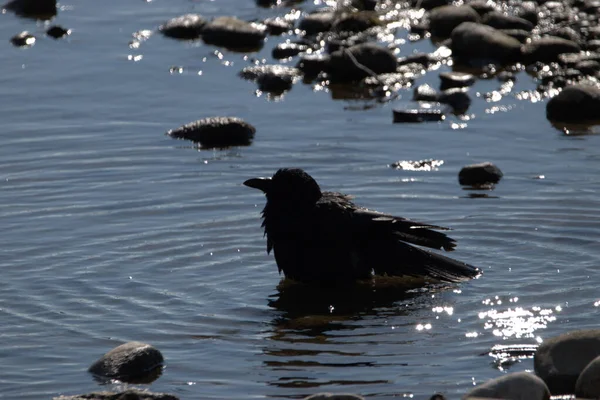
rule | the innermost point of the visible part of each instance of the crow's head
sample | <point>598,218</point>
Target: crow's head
<point>290,186</point>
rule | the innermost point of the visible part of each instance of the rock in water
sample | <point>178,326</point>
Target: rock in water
<point>216,132</point>
<point>129,362</point>
<point>479,174</point>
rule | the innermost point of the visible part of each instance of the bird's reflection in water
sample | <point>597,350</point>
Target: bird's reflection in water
<point>326,336</point>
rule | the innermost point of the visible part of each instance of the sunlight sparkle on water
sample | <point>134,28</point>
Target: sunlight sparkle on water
<point>516,322</point>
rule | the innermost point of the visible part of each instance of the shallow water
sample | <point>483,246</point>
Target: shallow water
<point>114,232</point>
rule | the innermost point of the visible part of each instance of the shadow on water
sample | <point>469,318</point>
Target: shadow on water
<point>317,329</point>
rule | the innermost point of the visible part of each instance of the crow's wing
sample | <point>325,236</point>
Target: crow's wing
<point>381,242</point>
<point>404,229</point>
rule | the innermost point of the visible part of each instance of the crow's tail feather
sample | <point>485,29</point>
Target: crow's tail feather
<point>414,261</point>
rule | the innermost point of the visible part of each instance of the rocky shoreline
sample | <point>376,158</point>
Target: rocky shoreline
<point>565,365</point>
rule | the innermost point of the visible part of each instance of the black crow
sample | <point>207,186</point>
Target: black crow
<point>323,237</point>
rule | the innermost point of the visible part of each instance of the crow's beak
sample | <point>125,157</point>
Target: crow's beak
<point>263,184</point>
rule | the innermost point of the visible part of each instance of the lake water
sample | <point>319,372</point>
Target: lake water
<point>112,231</point>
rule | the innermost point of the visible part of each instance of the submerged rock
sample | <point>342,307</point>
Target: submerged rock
<point>129,394</point>
<point>418,114</point>
<point>360,61</point>
<point>216,132</point>
<point>286,50</point>
<point>271,78</point>
<point>23,39</point>
<point>57,32</point>
<point>233,34</point>
<point>37,9</point>
<point>482,174</point>
<point>129,362</point>
<point>473,41</point>
<point>560,360</point>
<point>515,386</point>
<point>575,104</point>
<point>187,27</point>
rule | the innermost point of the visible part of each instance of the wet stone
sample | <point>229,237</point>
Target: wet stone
<point>575,104</point>
<point>271,78</point>
<point>425,92</point>
<point>548,49</point>
<point>233,34</point>
<point>482,6</point>
<point>23,39</point>
<point>443,20</point>
<point>499,20</point>
<point>129,362</point>
<point>456,79</point>
<point>317,22</point>
<point>417,113</point>
<point>286,50</point>
<point>472,41</point>
<point>334,396</point>
<point>519,34</point>
<point>360,61</point>
<point>560,360</point>
<point>482,174</point>
<point>366,5</point>
<point>528,10</point>
<point>356,22</point>
<point>588,67</point>
<point>457,98</point>
<point>313,64</point>
<point>216,132</point>
<point>588,383</point>
<point>515,386</point>
<point>423,59</point>
<point>186,27</point>
<point>36,9</point>
<point>278,25</point>
<point>57,32</point>
<point>129,394</point>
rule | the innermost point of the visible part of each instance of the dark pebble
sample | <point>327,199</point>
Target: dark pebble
<point>23,39</point>
<point>456,79</point>
<point>443,20</point>
<point>457,98</point>
<point>482,6</point>
<point>36,9</point>
<point>425,92</point>
<point>313,64</point>
<point>57,32</point>
<point>129,362</point>
<point>129,394</point>
<point>278,25</point>
<point>317,22</point>
<point>356,22</point>
<point>234,34</point>
<point>185,27</point>
<point>286,50</point>
<point>472,41</point>
<point>377,59</point>
<point>547,49</point>
<point>479,174</point>
<point>499,20</point>
<point>423,59</point>
<point>519,34</point>
<point>418,115</point>
<point>216,132</point>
